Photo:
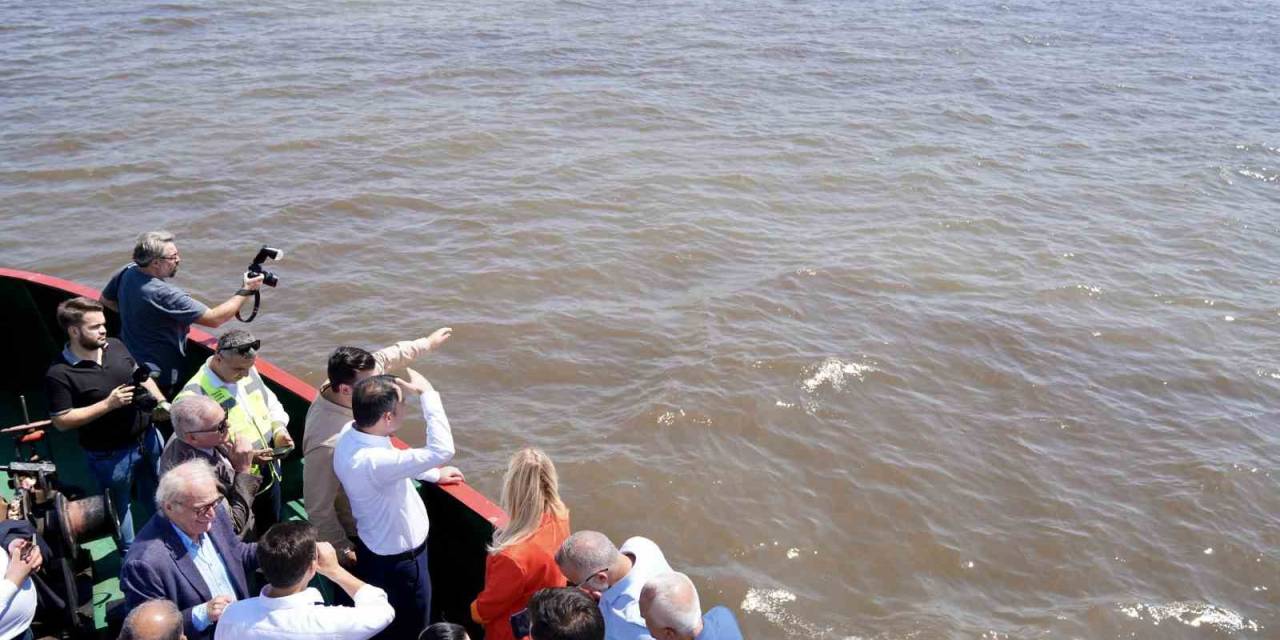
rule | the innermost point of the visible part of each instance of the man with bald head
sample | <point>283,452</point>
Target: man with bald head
<point>189,553</point>
<point>590,560</point>
<point>671,611</point>
<point>153,620</point>
<point>200,431</point>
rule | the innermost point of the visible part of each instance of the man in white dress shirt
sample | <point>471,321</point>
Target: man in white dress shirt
<point>289,610</point>
<point>391,520</point>
<point>589,560</point>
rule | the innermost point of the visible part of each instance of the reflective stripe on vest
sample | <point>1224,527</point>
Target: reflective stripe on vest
<point>252,422</point>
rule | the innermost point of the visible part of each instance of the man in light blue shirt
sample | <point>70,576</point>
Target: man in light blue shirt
<point>671,610</point>
<point>588,559</point>
<point>189,553</point>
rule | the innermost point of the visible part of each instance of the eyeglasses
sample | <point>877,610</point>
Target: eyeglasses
<point>175,256</point>
<point>204,510</point>
<point>245,349</point>
<point>222,427</point>
<point>591,575</point>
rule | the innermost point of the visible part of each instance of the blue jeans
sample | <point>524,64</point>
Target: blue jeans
<point>128,472</point>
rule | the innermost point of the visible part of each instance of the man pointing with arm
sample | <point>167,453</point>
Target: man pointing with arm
<point>327,505</point>
<point>391,520</point>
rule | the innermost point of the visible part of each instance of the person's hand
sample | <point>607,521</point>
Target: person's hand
<point>20,568</point>
<point>242,454</point>
<point>438,337</point>
<point>216,606</point>
<point>121,396</point>
<point>283,439</point>
<point>252,282</point>
<point>326,559</point>
<point>347,558</point>
<point>450,475</point>
<point>415,384</point>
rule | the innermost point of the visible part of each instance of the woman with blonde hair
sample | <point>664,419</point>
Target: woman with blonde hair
<point>522,555</point>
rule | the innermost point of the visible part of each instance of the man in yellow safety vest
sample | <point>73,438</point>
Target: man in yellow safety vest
<point>253,412</point>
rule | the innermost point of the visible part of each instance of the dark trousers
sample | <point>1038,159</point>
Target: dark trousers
<point>404,577</point>
<point>267,505</point>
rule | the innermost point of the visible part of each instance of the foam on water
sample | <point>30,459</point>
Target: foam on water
<point>835,373</point>
<point>1192,614</point>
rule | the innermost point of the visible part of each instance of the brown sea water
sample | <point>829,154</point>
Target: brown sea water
<point>884,319</point>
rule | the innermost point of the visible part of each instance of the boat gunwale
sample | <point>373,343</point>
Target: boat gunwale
<point>462,492</point>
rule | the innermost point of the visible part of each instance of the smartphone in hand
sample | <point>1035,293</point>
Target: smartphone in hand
<point>520,624</point>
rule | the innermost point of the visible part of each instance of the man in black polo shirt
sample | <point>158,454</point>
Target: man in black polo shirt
<point>90,388</point>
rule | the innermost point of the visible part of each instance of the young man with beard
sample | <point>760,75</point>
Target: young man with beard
<point>90,389</point>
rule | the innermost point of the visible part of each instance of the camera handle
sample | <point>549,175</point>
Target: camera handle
<point>257,302</point>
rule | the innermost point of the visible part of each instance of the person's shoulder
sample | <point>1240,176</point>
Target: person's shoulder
<point>722,625</point>
<point>118,351</point>
<point>58,367</point>
<point>149,543</point>
<point>640,544</point>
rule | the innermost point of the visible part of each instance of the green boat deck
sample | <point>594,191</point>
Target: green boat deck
<point>462,519</point>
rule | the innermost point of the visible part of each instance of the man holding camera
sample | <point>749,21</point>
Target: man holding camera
<point>156,315</point>
<point>254,414</point>
<point>91,388</point>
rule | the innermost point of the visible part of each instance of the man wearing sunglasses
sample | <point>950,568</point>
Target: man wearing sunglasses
<point>155,315</point>
<point>253,412</point>
<point>200,430</point>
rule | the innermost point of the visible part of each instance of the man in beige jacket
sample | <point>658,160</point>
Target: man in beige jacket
<point>327,505</point>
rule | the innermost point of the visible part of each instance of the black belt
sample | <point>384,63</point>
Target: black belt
<point>403,555</point>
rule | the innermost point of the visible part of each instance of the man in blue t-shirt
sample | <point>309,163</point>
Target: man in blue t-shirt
<point>155,315</point>
<point>671,611</point>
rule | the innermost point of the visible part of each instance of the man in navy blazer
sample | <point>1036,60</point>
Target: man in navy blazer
<point>188,552</point>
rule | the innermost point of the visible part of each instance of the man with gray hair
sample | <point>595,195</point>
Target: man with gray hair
<point>153,620</point>
<point>253,412</point>
<point>189,553</point>
<point>155,315</point>
<point>200,431</point>
<point>589,560</point>
<point>671,611</point>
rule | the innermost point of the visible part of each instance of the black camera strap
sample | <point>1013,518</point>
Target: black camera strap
<point>257,302</point>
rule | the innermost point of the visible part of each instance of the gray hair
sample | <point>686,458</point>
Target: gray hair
<point>586,551</point>
<point>151,246</point>
<point>153,620</point>
<point>176,482</point>
<point>192,413</point>
<point>670,600</point>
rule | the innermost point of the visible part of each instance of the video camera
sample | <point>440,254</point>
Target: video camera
<point>264,254</point>
<point>142,399</point>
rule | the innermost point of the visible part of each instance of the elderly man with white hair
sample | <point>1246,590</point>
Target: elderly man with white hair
<point>189,553</point>
<point>200,431</point>
<point>589,560</point>
<point>671,611</point>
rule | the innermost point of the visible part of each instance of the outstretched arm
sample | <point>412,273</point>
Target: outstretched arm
<point>406,351</point>
<point>219,315</point>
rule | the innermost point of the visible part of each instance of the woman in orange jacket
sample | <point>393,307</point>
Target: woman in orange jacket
<point>522,554</point>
